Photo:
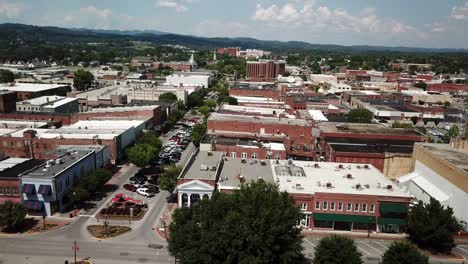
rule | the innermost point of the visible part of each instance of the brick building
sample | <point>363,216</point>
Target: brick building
<point>265,70</point>
<point>447,88</point>
<point>25,91</point>
<point>388,149</point>
<point>230,51</point>
<point>7,101</point>
<point>255,89</point>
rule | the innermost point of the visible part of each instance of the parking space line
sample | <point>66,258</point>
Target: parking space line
<point>462,249</point>
<point>372,247</point>
<point>310,243</point>
<point>364,251</point>
<point>380,244</point>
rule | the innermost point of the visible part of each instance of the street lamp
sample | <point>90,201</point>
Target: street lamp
<point>74,201</point>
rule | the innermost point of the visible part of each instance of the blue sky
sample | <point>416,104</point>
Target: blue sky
<point>417,23</point>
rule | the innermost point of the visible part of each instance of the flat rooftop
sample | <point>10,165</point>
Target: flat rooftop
<point>358,128</point>
<point>459,158</point>
<point>204,166</point>
<point>17,124</point>
<point>10,168</point>
<point>258,119</point>
<point>243,142</point>
<point>48,101</point>
<point>252,109</point>
<point>235,172</point>
<point>30,87</point>
<point>122,109</point>
<point>363,145</point>
<point>52,168</point>
<point>302,177</point>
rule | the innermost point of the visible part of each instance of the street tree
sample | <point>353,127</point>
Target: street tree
<point>256,224</point>
<point>204,110</point>
<point>168,179</point>
<point>151,138</point>
<point>82,80</point>
<point>102,176</point>
<point>142,155</point>
<point>360,115</point>
<point>337,249</point>
<point>12,214</point>
<point>211,103</point>
<point>198,132</point>
<point>432,226</point>
<point>453,132</point>
<point>232,100</point>
<point>403,253</point>
<point>6,76</point>
<point>168,97</point>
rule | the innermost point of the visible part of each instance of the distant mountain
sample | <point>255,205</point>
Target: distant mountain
<point>38,34</point>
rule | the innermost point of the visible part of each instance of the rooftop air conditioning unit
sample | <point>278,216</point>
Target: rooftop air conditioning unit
<point>358,186</point>
<point>262,162</point>
<point>340,166</point>
<point>316,165</point>
<point>329,185</point>
<point>366,166</point>
<point>367,186</point>
<point>210,153</point>
<point>290,162</point>
<point>243,161</point>
<point>204,167</point>
<point>389,187</point>
<point>349,176</point>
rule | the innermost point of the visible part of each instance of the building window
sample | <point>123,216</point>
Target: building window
<point>364,208</point>
<point>356,207</point>
<point>14,190</point>
<point>277,156</point>
<point>325,205</point>
<point>371,208</point>
<point>254,155</point>
<point>243,155</point>
<point>303,206</point>
<point>340,206</point>
<point>317,205</point>
<point>1,190</point>
<point>332,206</point>
<point>7,190</point>
<point>233,154</point>
<point>348,207</point>
<point>5,143</point>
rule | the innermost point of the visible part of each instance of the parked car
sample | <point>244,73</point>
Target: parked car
<point>151,188</point>
<point>130,187</point>
<point>145,192</point>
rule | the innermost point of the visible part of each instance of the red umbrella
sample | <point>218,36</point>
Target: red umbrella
<point>115,200</point>
<point>128,199</point>
<point>137,201</point>
<point>119,195</point>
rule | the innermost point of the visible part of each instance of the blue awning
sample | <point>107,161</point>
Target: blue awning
<point>28,189</point>
<point>33,205</point>
<point>45,190</point>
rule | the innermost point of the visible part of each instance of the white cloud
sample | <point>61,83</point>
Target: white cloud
<point>93,17</point>
<point>214,28</point>
<point>312,17</point>
<point>177,5</point>
<point>93,11</point>
<point>460,12</point>
<point>10,10</point>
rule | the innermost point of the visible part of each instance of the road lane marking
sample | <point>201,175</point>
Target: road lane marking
<point>380,244</point>
<point>364,251</point>
<point>309,242</point>
<point>372,247</point>
<point>463,249</point>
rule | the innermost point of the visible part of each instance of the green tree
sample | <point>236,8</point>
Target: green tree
<point>168,179</point>
<point>142,155</point>
<point>151,138</point>
<point>79,195</point>
<point>360,115</point>
<point>211,103</point>
<point>453,132</point>
<point>198,132</point>
<point>168,97</point>
<point>82,80</point>
<point>256,224</point>
<point>232,100</point>
<point>421,85</point>
<point>6,76</point>
<point>432,226</point>
<point>204,110</point>
<point>337,249</point>
<point>102,176</point>
<point>447,104</point>
<point>403,253</point>
<point>12,214</point>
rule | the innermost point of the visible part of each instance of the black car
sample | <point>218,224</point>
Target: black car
<point>153,179</point>
<point>152,188</point>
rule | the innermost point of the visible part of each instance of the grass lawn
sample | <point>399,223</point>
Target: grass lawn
<point>99,231</point>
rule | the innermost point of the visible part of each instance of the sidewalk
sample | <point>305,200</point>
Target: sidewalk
<point>166,220</point>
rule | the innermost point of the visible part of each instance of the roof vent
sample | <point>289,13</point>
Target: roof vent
<point>319,184</point>
<point>329,185</point>
<point>213,168</point>
<point>367,186</point>
<point>366,166</point>
<point>316,165</point>
<point>263,162</point>
<point>349,176</point>
<point>389,187</point>
<point>210,153</point>
<point>290,162</point>
<point>358,166</point>
<point>243,161</point>
<point>340,166</point>
<point>358,186</point>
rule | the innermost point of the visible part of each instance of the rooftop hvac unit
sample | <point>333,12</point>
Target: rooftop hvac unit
<point>389,187</point>
<point>358,166</point>
<point>366,166</point>
<point>319,184</point>
<point>210,153</point>
<point>262,162</point>
<point>290,162</point>
<point>340,166</point>
<point>204,167</point>
<point>349,176</point>
<point>213,168</point>
<point>316,165</point>
<point>329,185</point>
<point>243,161</point>
<point>358,186</point>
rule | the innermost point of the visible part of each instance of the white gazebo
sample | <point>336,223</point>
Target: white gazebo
<point>190,192</point>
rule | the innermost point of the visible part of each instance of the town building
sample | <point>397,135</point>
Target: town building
<point>10,184</point>
<point>49,104</point>
<point>7,101</point>
<point>193,79</point>
<point>255,89</point>
<point>46,188</point>
<point>25,91</point>
<point>323,78</point>
<point>440,171</point>
<point>230,51</point>
<point>265,70</point>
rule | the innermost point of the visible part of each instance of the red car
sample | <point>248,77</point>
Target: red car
<point>130,187</point>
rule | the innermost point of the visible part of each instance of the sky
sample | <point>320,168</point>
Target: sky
<point>412,23</point>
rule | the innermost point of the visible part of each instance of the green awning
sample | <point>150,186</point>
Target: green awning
<point>394,208</point>
<point>344,218</point>
<point>391,221</point>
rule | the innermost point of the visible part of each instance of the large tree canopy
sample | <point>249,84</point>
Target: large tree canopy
<point>403,253</point>
<point>256,224</point>
<point>168,179</point>
<point>432,226</point>
<point>168,97</point>
<point>337,249</point>
<point>360,115</point>
<point>12,214</point>
<point>6,76</point>
<point>142,155</point>
<point>82,80</point>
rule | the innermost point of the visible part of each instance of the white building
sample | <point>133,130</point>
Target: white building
<point>323,78</point>
<point>49,104</point>
<point>189,79</point>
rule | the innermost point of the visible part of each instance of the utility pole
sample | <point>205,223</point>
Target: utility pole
<point>75,249</point>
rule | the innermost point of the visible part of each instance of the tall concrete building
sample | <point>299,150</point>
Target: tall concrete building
<point>265,70</point>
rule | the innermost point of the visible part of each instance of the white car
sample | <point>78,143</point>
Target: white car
<point>144,192</point>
